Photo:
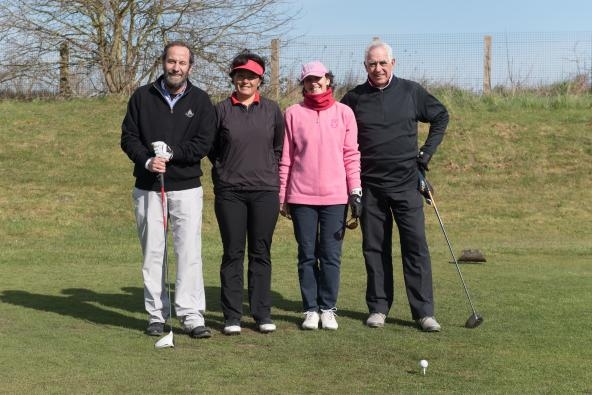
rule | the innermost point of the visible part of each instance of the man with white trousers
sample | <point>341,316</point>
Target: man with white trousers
<point>168,128</point>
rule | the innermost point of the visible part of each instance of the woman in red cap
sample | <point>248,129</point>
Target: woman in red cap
<point>319,175</point>
<point>245,158</point>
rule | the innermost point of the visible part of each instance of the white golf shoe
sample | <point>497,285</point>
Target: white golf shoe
<point>429,324</point>
<point>267,327</point>
<point>376,320</point>
<point>311,320</point>
<point>232,327</point>
<point>328,320</point>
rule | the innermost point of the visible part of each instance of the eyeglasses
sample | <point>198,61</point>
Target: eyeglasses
<point>373,64</point>
<point>351,223</point>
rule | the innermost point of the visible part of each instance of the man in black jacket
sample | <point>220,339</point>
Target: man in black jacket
<point>387,111</point>
<point>169,127</point>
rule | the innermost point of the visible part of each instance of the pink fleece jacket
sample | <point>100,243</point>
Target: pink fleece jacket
<point>320,162</point>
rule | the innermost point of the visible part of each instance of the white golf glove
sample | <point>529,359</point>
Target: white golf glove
<point>162,150</point>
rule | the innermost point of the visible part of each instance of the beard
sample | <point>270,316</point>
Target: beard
<point>175,81</point>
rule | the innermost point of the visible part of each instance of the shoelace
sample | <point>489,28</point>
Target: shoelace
<point>331,313</point>
<point>309,314</point>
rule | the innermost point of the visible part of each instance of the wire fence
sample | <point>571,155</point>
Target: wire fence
<point>517,61</point>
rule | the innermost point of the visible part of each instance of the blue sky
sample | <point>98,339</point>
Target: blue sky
<point>343,17</point>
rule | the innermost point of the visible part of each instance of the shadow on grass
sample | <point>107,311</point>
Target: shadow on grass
<point>100,308</point>
<point>85,304</point>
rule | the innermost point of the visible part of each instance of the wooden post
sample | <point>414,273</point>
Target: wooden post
<point>275,68</point>
<point>487,65</point>
<point>64,89</point>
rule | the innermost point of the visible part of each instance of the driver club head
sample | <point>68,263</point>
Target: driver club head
<point>474,321</point>
<point>166,341</point>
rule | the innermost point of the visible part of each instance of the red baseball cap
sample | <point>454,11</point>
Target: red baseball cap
<point>251,65</point>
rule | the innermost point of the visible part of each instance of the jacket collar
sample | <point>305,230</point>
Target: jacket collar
<point>236,102</point>
<point>392,81</point>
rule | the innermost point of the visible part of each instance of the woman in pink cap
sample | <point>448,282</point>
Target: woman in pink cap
<point>245,158</point>
<point>319,175</point>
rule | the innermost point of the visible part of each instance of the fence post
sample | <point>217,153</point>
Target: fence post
<point>487,65</point>
<point>65,89</point>
<point>275,68</point>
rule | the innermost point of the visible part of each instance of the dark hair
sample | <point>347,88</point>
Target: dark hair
<point>328,75</point>
<point>242,58</point>
<point>178,43</point>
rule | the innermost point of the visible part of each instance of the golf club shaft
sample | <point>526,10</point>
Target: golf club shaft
<point>452,252</point>
<point>165,256</point>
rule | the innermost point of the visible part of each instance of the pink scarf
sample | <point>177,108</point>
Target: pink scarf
<point>319,102</point>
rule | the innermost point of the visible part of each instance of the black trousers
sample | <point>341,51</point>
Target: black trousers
<point>246,216</point>
<point>377,229</point>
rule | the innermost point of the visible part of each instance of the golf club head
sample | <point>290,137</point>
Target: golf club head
<point>166,341</point>
<point>474,321</point>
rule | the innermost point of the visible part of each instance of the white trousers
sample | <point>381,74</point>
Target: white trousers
<point>185,220</point>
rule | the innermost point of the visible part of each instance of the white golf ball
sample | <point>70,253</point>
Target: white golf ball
<point>423,363</point>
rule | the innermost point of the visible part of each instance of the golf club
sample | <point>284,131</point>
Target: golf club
<point>167,340</point>
<point>475,319</point>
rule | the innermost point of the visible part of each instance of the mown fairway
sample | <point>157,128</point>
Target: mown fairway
<point>512,179</point>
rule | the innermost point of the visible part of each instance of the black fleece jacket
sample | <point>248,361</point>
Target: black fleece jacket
<point>188,128</point>
<point>387,131</point>
<point>248,146</point>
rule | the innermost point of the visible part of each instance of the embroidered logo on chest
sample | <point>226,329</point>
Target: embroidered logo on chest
<point>189,114</point>
<point>334,123</point>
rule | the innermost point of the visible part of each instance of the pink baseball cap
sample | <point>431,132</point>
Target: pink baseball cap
<point>315,68</point>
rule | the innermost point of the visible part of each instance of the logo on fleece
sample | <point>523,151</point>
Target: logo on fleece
<point>189,113</point>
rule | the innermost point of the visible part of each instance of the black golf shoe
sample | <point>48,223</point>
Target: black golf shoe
<point>155,329</point>
<point>200,332</point>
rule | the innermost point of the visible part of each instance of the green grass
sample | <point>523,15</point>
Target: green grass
<point>512,179</point>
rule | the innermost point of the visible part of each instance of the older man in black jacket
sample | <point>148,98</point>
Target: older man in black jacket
<point>387,111</point>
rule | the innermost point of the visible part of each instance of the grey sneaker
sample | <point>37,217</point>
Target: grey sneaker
<point>328,320</point>
<point>376,320</point>
<point>428,324</point>
<point>311,320</point>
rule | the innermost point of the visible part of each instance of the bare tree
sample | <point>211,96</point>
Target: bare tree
<point>123,38</point>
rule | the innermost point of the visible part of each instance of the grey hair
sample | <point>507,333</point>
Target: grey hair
<point>376,43</point>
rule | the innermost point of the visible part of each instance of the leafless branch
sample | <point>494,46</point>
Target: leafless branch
<point>121,39</point>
